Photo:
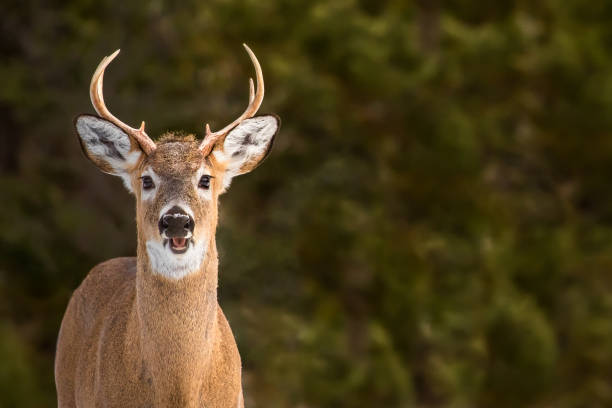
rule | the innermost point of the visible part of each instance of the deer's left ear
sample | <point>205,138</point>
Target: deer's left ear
<point>248,144</point>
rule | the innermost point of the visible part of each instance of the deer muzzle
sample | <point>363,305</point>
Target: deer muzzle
<point>176,227</point>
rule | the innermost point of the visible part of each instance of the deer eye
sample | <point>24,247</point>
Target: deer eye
<point>147,182</point>
<point>204,182</point>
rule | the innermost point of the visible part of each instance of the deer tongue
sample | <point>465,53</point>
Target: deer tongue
<point>178,243</point>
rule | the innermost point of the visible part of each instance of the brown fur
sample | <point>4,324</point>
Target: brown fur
<point>132,338</point>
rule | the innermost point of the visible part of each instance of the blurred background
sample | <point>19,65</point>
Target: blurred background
<point>432,229</point>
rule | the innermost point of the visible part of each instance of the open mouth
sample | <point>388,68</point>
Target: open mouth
<point>178,245</point>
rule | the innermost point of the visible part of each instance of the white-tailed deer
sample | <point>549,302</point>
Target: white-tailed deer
<point>148,331</point>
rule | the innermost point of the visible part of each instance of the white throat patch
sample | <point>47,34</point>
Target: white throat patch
<point>175,266</point>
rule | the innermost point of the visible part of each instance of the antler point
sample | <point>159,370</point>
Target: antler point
<point>114,54</point>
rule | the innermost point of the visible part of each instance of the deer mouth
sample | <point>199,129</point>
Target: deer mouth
<point>179,245</point>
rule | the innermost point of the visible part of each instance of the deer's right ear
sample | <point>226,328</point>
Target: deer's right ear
<point>107,146</point>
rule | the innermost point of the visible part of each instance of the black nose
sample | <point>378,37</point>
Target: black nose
<point>176,223</point>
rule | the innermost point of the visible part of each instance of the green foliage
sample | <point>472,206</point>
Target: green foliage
<point>432,229</point>
<point>16,372</point>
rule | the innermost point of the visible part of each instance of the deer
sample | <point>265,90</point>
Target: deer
<point>147,331</point>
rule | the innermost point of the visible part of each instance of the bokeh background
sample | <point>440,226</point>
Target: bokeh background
<point>432,229</point>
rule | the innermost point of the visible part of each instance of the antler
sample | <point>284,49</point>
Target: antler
<point>255,100</point>
<point>97,99</point>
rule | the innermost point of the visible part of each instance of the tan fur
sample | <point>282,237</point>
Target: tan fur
<point>133,338</point>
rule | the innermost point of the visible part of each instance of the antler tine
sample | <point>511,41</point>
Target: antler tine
<point>251,91</point>
<point>97,99</point>
<point>255,99</point>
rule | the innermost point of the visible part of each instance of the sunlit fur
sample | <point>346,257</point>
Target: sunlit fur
<point>148,331</point>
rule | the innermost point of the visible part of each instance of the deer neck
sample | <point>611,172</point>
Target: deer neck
<point>177,326</point>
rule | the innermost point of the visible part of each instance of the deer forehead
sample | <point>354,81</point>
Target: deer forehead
<point>177,160</point>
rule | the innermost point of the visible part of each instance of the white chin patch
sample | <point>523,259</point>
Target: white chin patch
<point>175,266</point>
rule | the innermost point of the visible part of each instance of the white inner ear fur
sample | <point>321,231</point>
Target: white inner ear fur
<point>109,144</point>
<point>246,143</point>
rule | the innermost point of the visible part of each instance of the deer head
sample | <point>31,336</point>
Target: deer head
<point>176,181</point>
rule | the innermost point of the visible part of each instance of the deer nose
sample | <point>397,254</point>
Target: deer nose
<point>176,223</point>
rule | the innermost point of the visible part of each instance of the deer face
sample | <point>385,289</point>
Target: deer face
<point>176,182</point>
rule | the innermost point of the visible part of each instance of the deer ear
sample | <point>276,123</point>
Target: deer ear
<point>248,144</point>
<point>107,146</point>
